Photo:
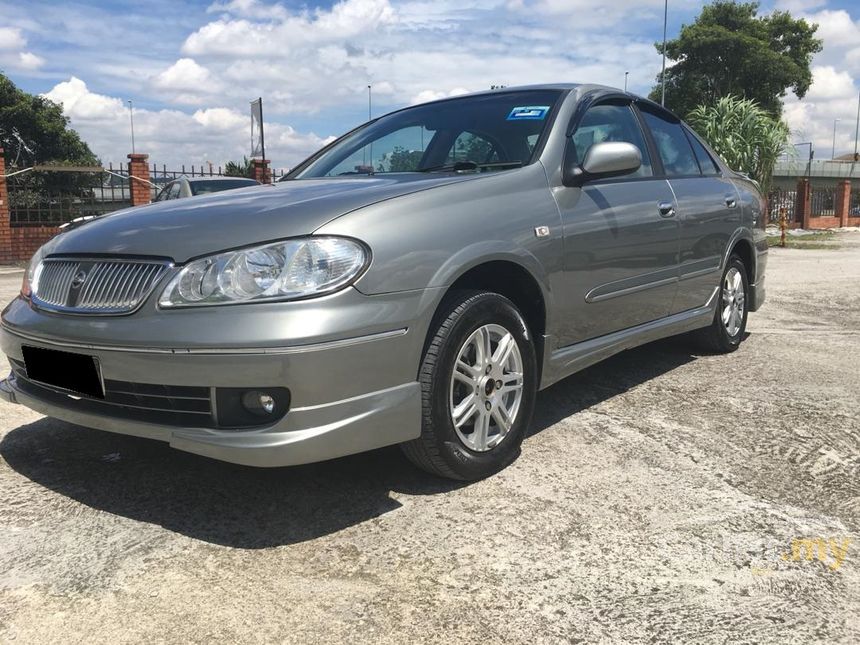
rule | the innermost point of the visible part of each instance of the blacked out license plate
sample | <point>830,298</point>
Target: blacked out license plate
<point>73,372</point>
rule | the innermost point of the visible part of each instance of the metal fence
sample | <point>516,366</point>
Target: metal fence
<point>54,195</point>
<point>777,200</point>
<point>160,175</point>
<point>854,204</point>
<point>50,196</point>
<point>823,201</point>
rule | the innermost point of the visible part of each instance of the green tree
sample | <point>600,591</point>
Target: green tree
<point>34,130</point>
<point>748,138</point>
<point>244,168</point>
<point>732,51</point>
<point>400,160</point>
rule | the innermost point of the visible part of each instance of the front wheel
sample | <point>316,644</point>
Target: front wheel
<point>730,321</point>
<point>478,380</point>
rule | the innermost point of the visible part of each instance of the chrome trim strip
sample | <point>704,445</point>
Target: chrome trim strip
<point>295,349</point>
<point>592,297</point>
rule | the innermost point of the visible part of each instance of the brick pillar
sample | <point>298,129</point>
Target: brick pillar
<point>261,171</point>
<point>843,201</point>
<point>804,202</point>
<point>5,216</point>
<point>138,169</point>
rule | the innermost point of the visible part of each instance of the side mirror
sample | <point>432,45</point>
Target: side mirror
<point>603,160</point>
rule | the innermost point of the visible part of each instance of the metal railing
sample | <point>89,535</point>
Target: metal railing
<point>854,204</point>
<point>160,175</point>
<point>50,196</point>
<point>822,201</point>
<point>54,195</point>
<point>780,199</point>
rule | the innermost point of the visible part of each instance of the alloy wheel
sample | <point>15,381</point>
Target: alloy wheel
<point>486,387</point>
<point>734,302</point>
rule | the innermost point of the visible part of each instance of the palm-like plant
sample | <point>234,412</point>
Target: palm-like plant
<point>245,168</point>
<point>747,137</point>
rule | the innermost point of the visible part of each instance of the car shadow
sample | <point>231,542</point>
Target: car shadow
<point>252,508</point>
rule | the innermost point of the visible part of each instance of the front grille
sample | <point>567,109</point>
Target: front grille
<point>169,405</point>
<point>95,286</point>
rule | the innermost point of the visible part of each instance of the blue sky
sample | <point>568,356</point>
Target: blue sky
<point>192,66</point>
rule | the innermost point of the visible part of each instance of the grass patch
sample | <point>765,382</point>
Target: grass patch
<point>817,240</point>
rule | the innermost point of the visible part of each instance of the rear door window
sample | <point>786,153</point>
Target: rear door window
<point>706,162</point>
<point>672,145</point>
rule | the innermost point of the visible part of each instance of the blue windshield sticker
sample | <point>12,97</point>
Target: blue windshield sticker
<point>529,113</point>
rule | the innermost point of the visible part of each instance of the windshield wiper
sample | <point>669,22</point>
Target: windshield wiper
<point>466,166</point>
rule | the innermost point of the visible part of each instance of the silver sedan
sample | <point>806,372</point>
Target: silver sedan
<point>416,282</point>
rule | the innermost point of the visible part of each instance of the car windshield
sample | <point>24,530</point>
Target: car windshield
<point>490,132</point>
<point>211,186</point>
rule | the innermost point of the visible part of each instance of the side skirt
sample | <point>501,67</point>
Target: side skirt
<point>568,360</point>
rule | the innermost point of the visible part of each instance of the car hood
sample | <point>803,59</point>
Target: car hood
<point>187,228</point>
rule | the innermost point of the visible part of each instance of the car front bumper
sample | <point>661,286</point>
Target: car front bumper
<point>350,364</point>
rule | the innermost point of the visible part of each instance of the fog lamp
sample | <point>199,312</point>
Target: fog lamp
<point>258,403</point>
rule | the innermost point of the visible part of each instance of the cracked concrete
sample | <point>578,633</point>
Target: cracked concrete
<point>662,497</point>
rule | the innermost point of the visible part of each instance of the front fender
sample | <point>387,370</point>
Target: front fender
<point>428,239</point>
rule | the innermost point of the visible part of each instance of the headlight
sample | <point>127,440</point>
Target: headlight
<point>289,270</point>
<point>31,275</point>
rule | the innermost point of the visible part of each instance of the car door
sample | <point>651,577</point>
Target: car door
<point>620,236</point>
<point>708,206</point>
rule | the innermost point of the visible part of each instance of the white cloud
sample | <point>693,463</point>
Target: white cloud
<point>832,98</point>
<point>799,5</point>
<point>173,137</point>
<point>186,82</point>
<point>84,106</point>
<point>29,61</point>
<point>315,63</point>
<point>11,38</point>
<point>12,42</point>
<point>221,119</point>
<point>425,96</point>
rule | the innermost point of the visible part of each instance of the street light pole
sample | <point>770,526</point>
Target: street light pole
<point>131,118</point>
<point>369,102</point>
<point>626,74</point>
<point>835,121</point>
<point>857,131</point>
<point>663,75</point>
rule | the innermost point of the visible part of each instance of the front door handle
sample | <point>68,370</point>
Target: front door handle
<point>667,209</point>
<point>731,202</point>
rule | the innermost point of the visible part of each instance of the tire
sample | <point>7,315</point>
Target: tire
<point>725,336</point>
<point>480,444</point>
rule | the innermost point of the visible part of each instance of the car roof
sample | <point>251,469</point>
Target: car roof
<point>596,90</point>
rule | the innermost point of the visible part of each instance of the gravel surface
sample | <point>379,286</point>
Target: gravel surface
<point>661,498</point>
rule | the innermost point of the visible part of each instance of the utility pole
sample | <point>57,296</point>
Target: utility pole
<point>857,131</point>
<point>131,118</point>
<point>835,121</point>
<point>663,75</point>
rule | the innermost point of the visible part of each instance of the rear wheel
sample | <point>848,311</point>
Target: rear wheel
<point>478,380</point>
<point>730,320</point>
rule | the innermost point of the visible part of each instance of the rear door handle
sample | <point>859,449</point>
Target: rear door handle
<point>667,209</point>
<point>731,202</point>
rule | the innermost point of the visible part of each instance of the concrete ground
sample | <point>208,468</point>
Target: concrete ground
<point>661,498</point>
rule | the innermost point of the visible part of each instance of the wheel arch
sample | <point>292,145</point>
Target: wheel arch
<point>743,247</point>
<point>511,279</point>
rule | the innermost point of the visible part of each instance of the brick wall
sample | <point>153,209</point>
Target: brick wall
<point>26,240</point>
<point>5,228</point>
<point>141,189</point>
<point>261,171</point>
